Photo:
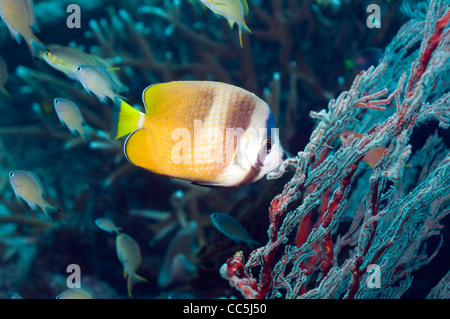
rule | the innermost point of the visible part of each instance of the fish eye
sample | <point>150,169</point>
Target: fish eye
<point>57,101</point>
<point>78,68</point>
<point>267,144</point>
<point>11,174</point>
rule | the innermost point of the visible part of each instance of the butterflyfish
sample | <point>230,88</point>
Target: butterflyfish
<point>66,58</point>
<point>28,187</point>
<point>129,255</point>
<point>232,10</point>
<point>3,77</point>
<point>232,228</point>
<point>70,116</point>
<point>209,133</point>
<point>373,156</point>
<point>107,225</point>
<point>20,19</point>
<point>96,80</point>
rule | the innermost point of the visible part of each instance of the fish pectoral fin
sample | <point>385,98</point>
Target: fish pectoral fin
<point>137,148</point>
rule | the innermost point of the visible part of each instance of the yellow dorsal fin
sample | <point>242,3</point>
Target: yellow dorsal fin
<point>164,98</point>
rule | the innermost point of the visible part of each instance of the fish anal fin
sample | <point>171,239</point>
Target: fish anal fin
<point>138,149</point>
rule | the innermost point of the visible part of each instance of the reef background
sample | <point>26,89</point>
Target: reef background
<point>294,59</point>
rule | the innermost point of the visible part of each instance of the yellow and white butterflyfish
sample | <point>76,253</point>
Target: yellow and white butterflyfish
<point>209,133</point>
<point>20,19</point>
<point>232,10</point>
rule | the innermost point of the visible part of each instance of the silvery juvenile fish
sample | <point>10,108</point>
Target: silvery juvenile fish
<point>129,255</point>
<point>27,186</point>
<point>75,293</point>
<point>107,225</point>
<point>20,19</point>
<point>209,133</point>
<point>96,80</point>
<point>70,116</point>
<point>231,227</point>
<point>233,10</point>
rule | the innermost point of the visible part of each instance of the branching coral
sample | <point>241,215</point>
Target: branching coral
<point>390,229</point>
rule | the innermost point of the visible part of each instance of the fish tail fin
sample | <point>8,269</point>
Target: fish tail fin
<point>123,98</point>
<point>125,119</point>
<point>37,48</point>
<point>244,26</point>
<point>85,135</point>
<point>86,132</point>
<point>47,209</point>
<point>133,279</point>
<point>240,37</point>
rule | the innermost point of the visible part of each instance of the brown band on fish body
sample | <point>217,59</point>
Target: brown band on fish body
<point>239,115</point>
<point>240,110</point>
<point>207,95</point>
